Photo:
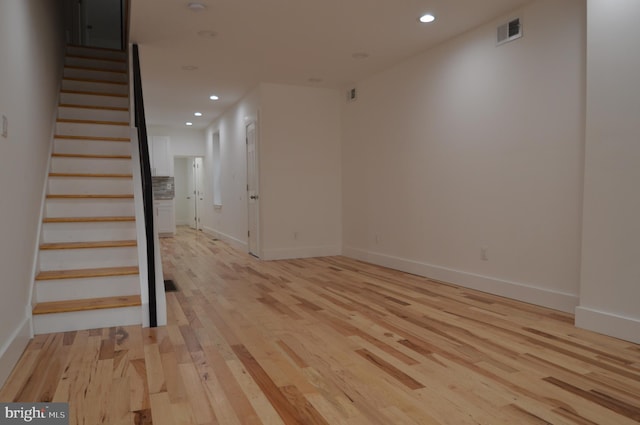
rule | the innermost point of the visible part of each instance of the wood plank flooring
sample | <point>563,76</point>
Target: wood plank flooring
<point>330,341</point>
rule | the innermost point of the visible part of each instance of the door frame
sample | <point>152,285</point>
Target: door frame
<point>256,182</point>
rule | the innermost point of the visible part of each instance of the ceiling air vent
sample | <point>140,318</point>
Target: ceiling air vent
<point>510,31</point>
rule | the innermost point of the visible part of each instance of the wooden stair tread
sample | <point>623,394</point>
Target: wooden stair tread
<point>87,304</point>
<point>119,60</point>
<point>89,68</point>
<point>83,245</point>
<point>78,121</point>
<point>93,93</point>
<point>108,49</point>
<point>107,108</point>
<point>90,156</point>
<point>93,80</point>
<point>96,138</point>
<point>92,175</point>
<point>90,196</point>
<point>84,273</point>
<point>110,219</point>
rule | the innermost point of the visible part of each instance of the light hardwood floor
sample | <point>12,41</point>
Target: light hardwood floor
<point>330,341</point>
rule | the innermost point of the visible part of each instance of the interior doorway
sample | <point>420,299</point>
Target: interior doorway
<point>189,191</point>
<point>252,189</point>
<point>99,23</point>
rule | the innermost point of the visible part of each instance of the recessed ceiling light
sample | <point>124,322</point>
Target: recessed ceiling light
<point>425,19</point>
<point>207,34</point>
<point>196,7</point>
<point>188,123</point>
<point>214,97</point>
<point>189,67</point>
<point>360,55</point>
<point>197,114</point>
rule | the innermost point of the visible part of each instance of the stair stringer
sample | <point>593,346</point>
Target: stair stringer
<point>43,198</point>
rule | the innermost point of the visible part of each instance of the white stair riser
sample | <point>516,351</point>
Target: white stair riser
<point>92,86</point>
<point>93,114</point>
<point>95,75</point>
<point>97,287</point>
<point>89,185</point>
<point>93,100</point>
<point>89,207</point>
<point>71,259</point>
<point>95,53</point>
<point>92,130</point>
<point>78,320</point>
<point>90,165</point>
<point>95,63</point>
<point>91,147</point>
<point>87,232</point>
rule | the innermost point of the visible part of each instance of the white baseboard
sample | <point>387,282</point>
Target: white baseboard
<point>11,351</point>
<point>301,252</point>
<point>518,291</point>
<point>627,328</point>
<point>234,242</point>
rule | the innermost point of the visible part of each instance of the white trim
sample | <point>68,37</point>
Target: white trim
<point>515,290</point>
<point>161,302</point>
<point>301,252</point>
<point>627,328</point>
<point>12,350</point>
<point>234,242</point>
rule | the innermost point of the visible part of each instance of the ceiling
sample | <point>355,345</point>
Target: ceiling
<point>236,44</point>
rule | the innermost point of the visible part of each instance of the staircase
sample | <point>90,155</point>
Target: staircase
<point>88,258</point>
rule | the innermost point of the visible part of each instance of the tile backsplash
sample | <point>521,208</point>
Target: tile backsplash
<point>163,187</point>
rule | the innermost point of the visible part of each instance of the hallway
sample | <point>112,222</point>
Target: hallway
<point>330,341</point>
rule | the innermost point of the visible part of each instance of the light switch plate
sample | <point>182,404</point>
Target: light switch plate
<point>5,126</point>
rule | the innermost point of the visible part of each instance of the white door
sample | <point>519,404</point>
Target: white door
<point>101,23</point>
<point>199,180</point>
<point>192,195</point>
<point>195,197</point>
<point>252,189</point>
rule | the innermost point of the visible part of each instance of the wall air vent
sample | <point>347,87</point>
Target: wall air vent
<point>352,95</point>
<point>510,31</point>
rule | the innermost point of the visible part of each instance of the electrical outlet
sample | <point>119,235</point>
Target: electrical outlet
<point>295,236</point>
<point>5,126</point>
<point>484,253</point>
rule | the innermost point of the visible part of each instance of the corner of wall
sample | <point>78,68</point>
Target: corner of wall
<point>626,328</point>
<point>11,351</point>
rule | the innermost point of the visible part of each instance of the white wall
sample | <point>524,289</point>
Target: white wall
<point>472,146</point>
<point>300,173</point>
<point>31,36</point>
<point>229,222</point>
<point>610,287</point>
<point>298,132</point>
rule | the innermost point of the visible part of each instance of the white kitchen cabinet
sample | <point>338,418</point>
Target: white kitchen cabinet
<point>165,217</point>
<point>160,156</point>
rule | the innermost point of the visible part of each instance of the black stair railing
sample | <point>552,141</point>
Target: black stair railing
<point>147,186</point>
